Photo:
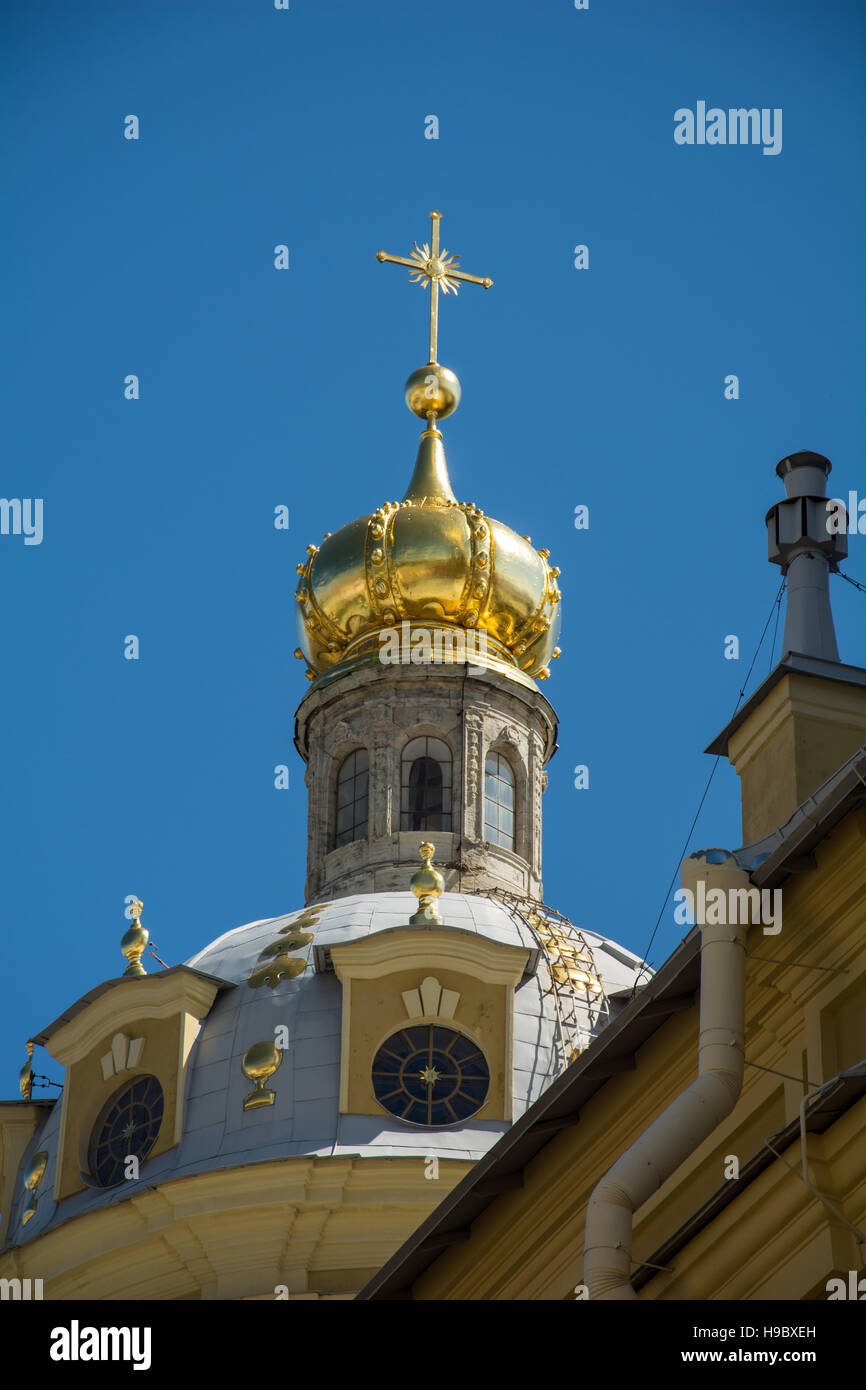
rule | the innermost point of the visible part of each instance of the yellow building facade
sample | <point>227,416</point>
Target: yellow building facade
<point>617,1184</point>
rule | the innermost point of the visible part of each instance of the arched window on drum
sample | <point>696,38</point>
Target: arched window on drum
<point>352,798</point>
<point>425,785</point>
<point>498,801</point>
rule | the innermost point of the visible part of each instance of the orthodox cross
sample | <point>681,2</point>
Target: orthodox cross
<point>430,266</point>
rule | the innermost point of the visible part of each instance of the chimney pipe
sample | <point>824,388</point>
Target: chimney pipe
<point>801,542</point>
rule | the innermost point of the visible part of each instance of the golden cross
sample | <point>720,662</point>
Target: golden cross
<point>434,267</point>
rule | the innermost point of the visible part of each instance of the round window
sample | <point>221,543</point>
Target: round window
<point>128,1126</point>
<point>429,1075</point>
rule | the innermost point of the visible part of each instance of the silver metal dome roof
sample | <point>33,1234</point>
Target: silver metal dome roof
<point>305,1118</point>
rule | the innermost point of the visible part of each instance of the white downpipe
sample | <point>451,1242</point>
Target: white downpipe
<point>697,1111</point>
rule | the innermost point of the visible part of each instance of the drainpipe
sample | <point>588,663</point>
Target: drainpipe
<point>698,1110</point>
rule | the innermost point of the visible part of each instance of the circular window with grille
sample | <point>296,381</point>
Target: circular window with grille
<point>128,1126</point>
<point>429,1075</point>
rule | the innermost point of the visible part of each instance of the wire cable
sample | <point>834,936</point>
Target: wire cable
<point>776,626</point>
<point>645,966</point>
<point>855,582</point>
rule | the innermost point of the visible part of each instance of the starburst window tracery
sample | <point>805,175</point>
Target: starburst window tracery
<point>429,1075</point>
<point>128,1127</point>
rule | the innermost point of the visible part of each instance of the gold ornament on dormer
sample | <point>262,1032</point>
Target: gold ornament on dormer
<point>134,941</point>
<point>427,884</point>
<point>25,1075</point>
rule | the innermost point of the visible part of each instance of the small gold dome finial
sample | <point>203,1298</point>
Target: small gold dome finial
<point>35,1172</point>
<point>25,1075</point>
<point>432,393</point>
<point>258,1064</point>
<point>134,941</point>
<point>427,884</point>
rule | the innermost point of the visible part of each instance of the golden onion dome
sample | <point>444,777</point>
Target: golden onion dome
<point>431,575</point>
<point>435,563</point>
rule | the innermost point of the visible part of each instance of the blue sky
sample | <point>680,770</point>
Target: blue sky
<point>259,388</point>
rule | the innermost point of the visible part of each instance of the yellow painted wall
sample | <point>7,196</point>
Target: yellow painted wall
<point>775,1240</point>
<point>378,1011</point>
<point>791,743</point>
<point>85,1092</point>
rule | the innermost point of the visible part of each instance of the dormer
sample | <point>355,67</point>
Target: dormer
<point>125,1047</point>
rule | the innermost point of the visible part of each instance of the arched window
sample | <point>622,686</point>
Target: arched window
<point>426,785</point>
<point>498,801</point>
<point>352,787</point>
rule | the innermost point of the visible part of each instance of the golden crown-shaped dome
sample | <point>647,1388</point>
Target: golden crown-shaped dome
<point>430,575</point>
<point>438,564</point>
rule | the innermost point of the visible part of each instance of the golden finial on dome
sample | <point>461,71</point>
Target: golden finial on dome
<point>428,265</point>
<point>134,941</point>
<point>429,560</point>
<point>433,391</point>
<point>427,884</point>
<point>25,1075</point>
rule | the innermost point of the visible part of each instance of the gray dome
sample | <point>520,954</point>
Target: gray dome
<point>305,1118</point>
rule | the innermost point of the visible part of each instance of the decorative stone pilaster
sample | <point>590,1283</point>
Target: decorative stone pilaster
<point>473,800</point>
<point>382,773</point>
<point>537,784</point>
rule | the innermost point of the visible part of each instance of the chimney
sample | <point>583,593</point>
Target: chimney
<point>800,541</point>
<point>809,715</point>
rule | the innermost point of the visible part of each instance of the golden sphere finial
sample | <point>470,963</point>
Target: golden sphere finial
<point>427,884</point>
<point>432,390</point>
<point>134,941</point>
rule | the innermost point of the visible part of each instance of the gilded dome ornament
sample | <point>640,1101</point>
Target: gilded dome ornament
<point>25,1075</point>
<point>280,963</point>
<point>427,884</point>
<point>429,560</point>
<point>259,1064</point>
<point>134,941</point>
<point>35,1174</point>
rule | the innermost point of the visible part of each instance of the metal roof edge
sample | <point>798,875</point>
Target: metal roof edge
<point>839,1096</point>
<point>810,823</point>
<point>40,1039</point>
<point>794,663</point>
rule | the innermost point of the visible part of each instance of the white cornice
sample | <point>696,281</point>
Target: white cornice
<point>443,948</point>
